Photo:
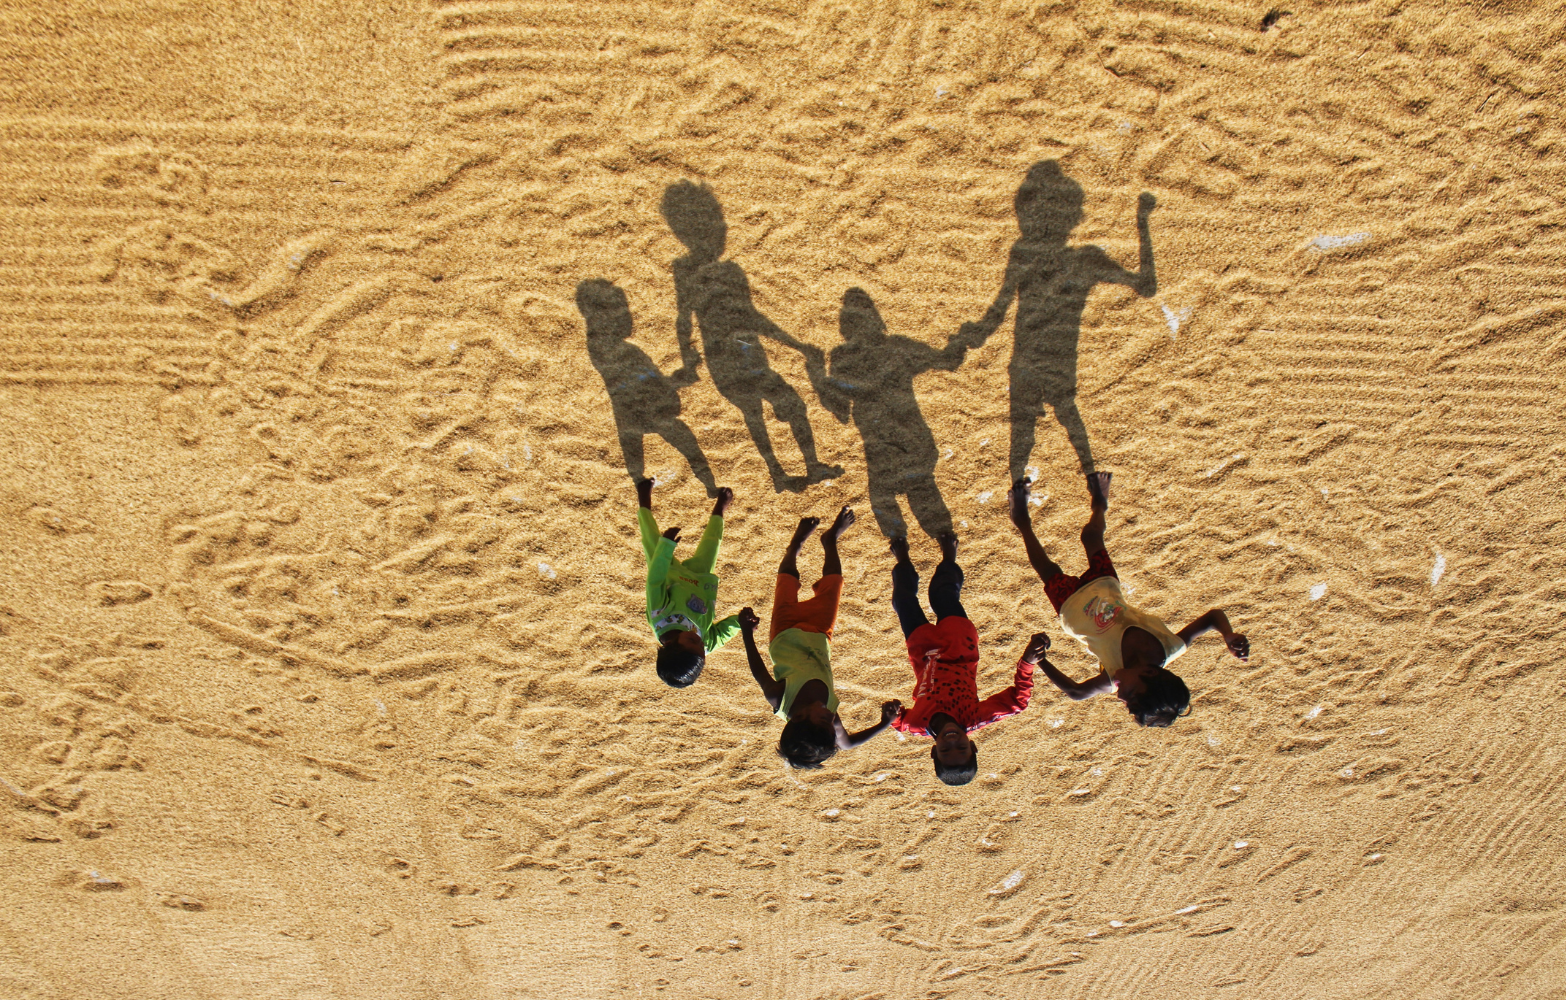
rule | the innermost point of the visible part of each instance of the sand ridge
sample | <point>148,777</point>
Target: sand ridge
<point>325,673</point>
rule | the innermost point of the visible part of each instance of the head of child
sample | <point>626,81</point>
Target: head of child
<point>1049,204</point>
<point>956,758</point>
<point>1153,695</point>
<point>681,656</point>
<point>809,737</point>
<point>695,218</point>
<point>604,308</point>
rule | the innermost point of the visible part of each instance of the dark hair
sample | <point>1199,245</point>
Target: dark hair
<point>1163,699</point>
<point>678,666</point>
<point>694,216</point>
<point>957,774</point>
<point>1048,204</point>
<point>805,744</point>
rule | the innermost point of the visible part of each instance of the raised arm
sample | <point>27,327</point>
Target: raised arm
<point>1216,621</point>
<point>1144,281</point>
<point>847,740</point>
<point>771,687</point>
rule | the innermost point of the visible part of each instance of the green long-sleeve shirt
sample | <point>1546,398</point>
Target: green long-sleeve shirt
<point>683,594</point>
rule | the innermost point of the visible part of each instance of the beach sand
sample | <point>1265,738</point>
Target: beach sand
<point>324,669</point>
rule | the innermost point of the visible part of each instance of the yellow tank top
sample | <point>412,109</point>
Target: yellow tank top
<point>797,658</point>
<point>1097,616</point>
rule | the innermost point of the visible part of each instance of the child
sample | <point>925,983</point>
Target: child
<point>682,595</point>
<point>644,400</point>
<point>945,659</point>
<point>800,686</point>
<point>1132,646</point>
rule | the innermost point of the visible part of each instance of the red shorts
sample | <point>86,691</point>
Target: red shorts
<point>819,614</point>
<point>1060,586</point>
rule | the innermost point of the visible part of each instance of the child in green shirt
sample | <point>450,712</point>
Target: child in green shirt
<point>682,595</point>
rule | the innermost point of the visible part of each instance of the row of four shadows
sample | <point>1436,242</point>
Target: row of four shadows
<point>1132,646</point>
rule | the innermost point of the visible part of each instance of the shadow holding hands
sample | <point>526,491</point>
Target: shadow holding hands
<point>645,401</point>
<point>1051,282</point>
<point>716,294</point>
<point>871,380</point>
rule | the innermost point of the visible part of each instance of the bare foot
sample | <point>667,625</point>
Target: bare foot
<point>948,543</point>
<point>807,527</point>
<point>725,497</point>
<point>1098,489</point>
<point>1017,503</point>
<point>899,547</point>
<point>845,520</point>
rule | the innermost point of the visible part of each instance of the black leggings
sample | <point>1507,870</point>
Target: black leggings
<point>945,595</point>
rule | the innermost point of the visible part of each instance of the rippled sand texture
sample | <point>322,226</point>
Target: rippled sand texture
<point>323,672</point>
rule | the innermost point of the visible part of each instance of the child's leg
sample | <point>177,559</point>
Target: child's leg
<point>631,449</point>
<point>946,583</point>
<point>831,565</point>
<point>1017,499</point>
<point>651,536</point>
<point>676,433</point>
<point>706,554</point>
<point>1093,531</point>
<point>785,605</point>
<point>790,564</point>
<point>905,589</point>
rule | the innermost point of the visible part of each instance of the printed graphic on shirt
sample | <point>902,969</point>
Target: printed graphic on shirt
<point>1103,611</point>
<point>697,605</point>
<point>676,619</point>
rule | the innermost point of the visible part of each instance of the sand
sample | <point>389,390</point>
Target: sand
<point>324,673</point>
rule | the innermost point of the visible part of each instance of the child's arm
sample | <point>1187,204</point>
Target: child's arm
<point>723,631</point>
<point>683,329</point>
<point>971,336</point>
<point>847,740</point>
<point>771,687</point>
<point>1015,698</point>
<point>836,395</point>
<point>1078,691</point>
<point>1144,280</point>
<point>1216,620</point>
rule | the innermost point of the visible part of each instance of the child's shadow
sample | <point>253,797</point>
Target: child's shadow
<point>871,378</point>
<point>717,294</point>
<point>645,400</point>
<point>1051,282</point>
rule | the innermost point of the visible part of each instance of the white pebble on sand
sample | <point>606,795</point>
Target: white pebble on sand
<point>1325,242</point>
<point>1440,567</point>
<point>1174,318</point>
<point>546,571</point>
<point>1318,591</point>
<point>984,497</point>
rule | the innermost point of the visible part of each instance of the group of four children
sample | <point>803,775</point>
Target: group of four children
<point>1132,646</point>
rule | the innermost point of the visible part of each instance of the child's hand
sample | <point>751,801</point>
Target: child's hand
<point>748,619</point>
<point>673,534</point>
<point>1238,645</point>
<point>1037,647</point>
<point>889,710</point>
